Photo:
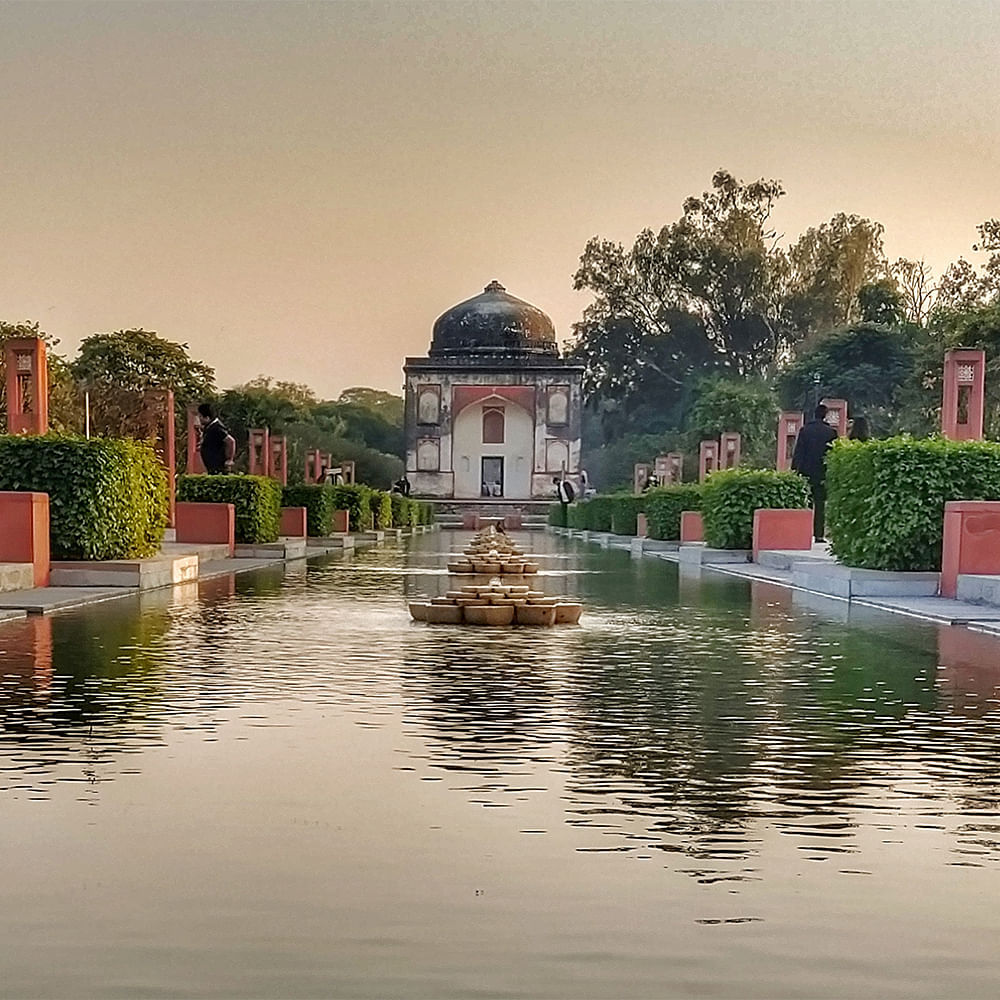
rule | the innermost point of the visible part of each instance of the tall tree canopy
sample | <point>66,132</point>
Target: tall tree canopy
<point>714,292</point>
<point>141,359</point>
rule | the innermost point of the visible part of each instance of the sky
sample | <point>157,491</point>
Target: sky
<point>300,189</point>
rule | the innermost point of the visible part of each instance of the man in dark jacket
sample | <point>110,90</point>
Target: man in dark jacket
<point>809,460</point>
<point>218,447</point>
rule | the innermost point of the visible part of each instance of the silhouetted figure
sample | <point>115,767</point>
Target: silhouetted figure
<point>564,493</point>
<point>860,430</point>
<point>218,446</point>
<point>809,460</point>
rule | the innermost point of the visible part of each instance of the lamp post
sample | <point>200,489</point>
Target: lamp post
<point>817,379</point>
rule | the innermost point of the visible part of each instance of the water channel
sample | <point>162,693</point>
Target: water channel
<point>277,785</point>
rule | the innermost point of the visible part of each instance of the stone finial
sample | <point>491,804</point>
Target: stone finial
<point>494,286</point>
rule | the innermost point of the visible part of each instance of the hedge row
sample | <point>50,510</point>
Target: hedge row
<point>107,497</point>
<point>729,498</point>
<point>257,500</point>
<point>726,499</point>
<point>368,508</point>
<point>664,506</point>
<point>885,506</point>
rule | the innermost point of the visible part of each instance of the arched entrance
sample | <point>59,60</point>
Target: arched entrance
<point>492,448</point>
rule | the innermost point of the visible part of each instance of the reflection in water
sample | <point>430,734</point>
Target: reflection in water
<point>714,725</point>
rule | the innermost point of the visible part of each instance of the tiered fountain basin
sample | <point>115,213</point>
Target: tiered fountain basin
<point>491,553</point>
<point>497,603</point>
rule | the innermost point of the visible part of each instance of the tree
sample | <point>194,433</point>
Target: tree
<point>880,302</point>
<point>387,405</point>
<point>701,295</point>
<point>867,364</point>
<point>917,289</point>
<point>828,266</point>
<point>746,406</point>
<point>139,360</point>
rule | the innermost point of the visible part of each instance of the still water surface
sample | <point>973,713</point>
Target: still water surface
<point>280,786</point>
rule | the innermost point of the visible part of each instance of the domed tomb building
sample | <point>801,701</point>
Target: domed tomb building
<point>493,410</point>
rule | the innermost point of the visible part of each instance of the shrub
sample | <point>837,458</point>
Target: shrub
<point>598,511</point>
<point>664,506</point>
<point>355,500</point>
<point>318,500</point>
<point>424,512</point>
<point>576,515</point>
<point>107,497</point>
<point>557,515</point>
<point>730,497</point>
<point>257,500</point>
<point>404,511</point>
<point>886,499</point>
<point>380,504</point>
<point>625,509</point>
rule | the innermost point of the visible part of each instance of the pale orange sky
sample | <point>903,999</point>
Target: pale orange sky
<point>300,189</point>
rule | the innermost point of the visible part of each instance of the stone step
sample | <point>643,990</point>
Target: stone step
<point>283,548</point>
<point>141,574</point>
<point>979,589</point>
<point>16,576</point>
<point>699,554</point>
<point>845,581</point>
<point>785,559</point>
<point>205,551</point>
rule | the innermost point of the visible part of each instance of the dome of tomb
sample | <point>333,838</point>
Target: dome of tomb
<point>494,323</point>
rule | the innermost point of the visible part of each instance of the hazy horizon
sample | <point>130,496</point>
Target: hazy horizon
<point>300,189</point>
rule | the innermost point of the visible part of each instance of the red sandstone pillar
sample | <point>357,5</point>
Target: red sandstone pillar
<point>730,445</point>
<point>640,476</point>
<point>836,415</point>
<point>159,406</point>
<point>708,459</point>
<point>789,424</point>
<point>259,447</point>
<point>279,459</point>
<point>675,468</point>
<point>24,532</point>
<point>346,470</point>
<point>964,392</point>
<point>27,386</point>
<point>194,466</point>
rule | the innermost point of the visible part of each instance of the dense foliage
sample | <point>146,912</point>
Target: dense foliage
<point>256,499</point>
<point>885,506</point>
<point>380,504</point>
<point>107,498</point>
<point>625,511</point>
<point>730,497</point>
<point>664,506</point>
<point>356,501</point>
<point>319,502</point>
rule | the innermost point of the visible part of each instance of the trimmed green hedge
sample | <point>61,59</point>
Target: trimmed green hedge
<point>319,502</point>
<point>107,497</point>
<point>885,499</point>
<point>355,499</point>
<point>557,515</point>
<point>426,512</point>
<point>380,504</point>
<point>257,500</point>
<point>625,509</point>
<point>664,506</point>
<point>730,497</point>
<point>404,511</point>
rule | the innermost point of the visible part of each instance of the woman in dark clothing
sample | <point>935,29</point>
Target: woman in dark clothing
<point>859,429</point>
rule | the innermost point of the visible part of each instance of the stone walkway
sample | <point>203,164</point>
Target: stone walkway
<point>775,568</point>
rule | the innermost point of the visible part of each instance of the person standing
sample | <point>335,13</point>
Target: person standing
<point>809,460</point>
<point>860,430</point>
<point>565,494</point>
<point>218,446</point>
